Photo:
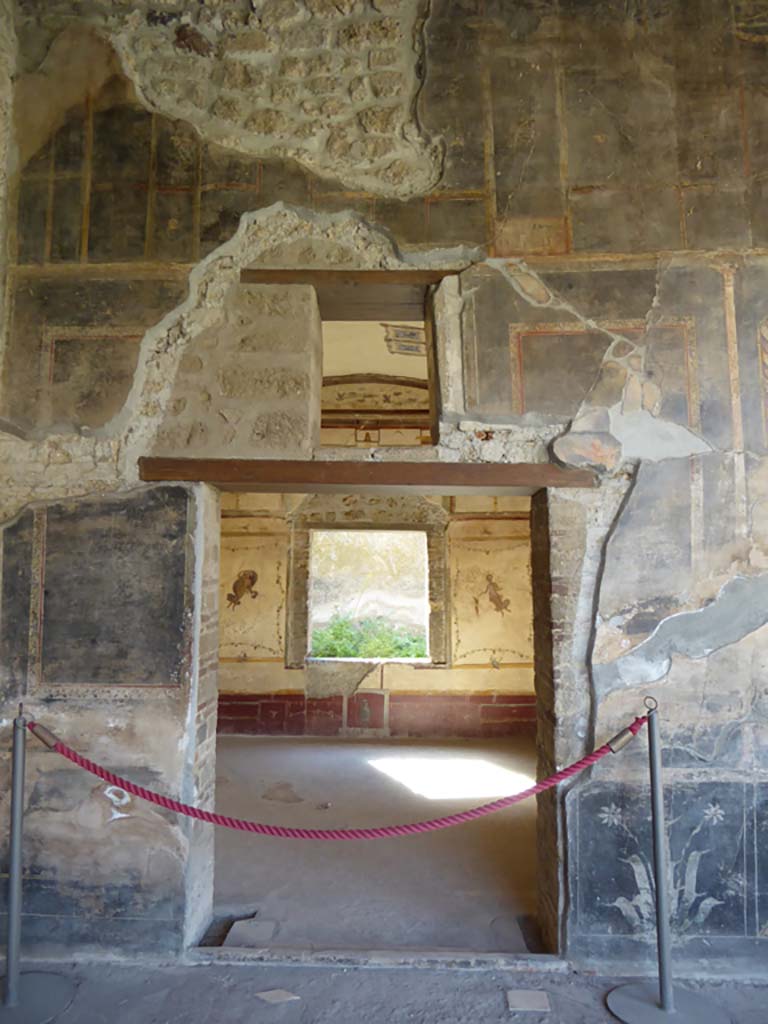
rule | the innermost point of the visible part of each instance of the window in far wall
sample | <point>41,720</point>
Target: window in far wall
<point>368,595</point>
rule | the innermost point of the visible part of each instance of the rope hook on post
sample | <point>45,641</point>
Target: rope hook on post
<point>642,1002</point>
<point>384,832</point>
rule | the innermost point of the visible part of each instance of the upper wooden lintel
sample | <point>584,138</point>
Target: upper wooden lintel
<point>258,275</point>
<point>383,295</point>
<point>307,477</point>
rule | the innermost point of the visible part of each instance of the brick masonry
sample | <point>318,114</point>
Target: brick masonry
<point>412,715</point>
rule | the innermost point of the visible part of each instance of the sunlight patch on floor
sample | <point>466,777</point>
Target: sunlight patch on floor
<point>452,778</point>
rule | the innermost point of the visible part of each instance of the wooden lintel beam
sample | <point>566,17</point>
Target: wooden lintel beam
<point>384,295</point>
<point>257,275</point>
<point>385,477</point>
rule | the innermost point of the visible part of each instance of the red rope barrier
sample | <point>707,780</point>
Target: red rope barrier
<point>283,832</point>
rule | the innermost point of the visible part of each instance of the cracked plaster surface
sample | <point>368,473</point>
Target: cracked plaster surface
<point>334,678</point>
<point>607,437</point>
<point>580,523</point>
<point>103,460</point>
<point>43,470</point>
<point>330,83</point>
<point>601,436</point>
<point>630,429</point>
<point>740,608</point>
<point>728,688</point>
<point>54,468</point>
<point>645,436</point>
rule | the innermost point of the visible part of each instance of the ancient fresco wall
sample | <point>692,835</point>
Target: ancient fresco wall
<point>596,172</point>
<point>8,53</point>
<point>333,84</point>
<point>82,633</point>
<point>490,591</point>
<point>480,684</point>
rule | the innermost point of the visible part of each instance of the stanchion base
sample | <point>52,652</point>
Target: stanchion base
<point>638,1003</point>
<point>42,997</point>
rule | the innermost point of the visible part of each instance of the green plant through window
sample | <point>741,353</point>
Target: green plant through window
<point>368,594</point>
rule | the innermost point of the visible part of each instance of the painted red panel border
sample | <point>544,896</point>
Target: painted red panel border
<point>417,715</point>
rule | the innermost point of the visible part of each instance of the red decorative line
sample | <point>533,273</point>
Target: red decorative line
<point>385,832</point>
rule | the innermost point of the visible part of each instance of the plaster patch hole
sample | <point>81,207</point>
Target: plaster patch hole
<point>119,799</point>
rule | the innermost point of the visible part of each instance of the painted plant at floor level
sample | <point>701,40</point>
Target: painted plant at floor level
<point>688,906</point>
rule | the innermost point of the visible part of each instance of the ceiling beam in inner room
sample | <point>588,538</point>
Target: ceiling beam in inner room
<point>304,477</point>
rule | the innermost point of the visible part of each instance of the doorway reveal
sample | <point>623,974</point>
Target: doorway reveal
<point>368,738</point>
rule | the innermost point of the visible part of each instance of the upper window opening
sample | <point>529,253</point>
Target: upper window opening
<point>368,595</point>
<point>377,390</point>
<point>375,383</point>
<point>379,384</point>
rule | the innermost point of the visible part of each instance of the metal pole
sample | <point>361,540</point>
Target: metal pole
<point>663,938</point>
<point>35,997</point>
<point>11,995</point>
<point>645,1002</point>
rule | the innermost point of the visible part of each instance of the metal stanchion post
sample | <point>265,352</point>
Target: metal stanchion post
<point>660,866</point>
<point>33,998</point>
<point>11,994</point>
<point>643,1002</point>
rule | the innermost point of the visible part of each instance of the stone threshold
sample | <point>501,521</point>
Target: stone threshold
<point>720,970</point>
<point>416,958</point>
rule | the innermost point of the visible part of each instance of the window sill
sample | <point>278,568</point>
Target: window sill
<point>368,661</point>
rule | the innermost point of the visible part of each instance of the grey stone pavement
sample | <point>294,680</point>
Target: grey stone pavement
<point>228,994</point>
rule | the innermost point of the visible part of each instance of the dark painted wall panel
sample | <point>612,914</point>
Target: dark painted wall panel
<point>113,611</point>
<point>14,610</point>
<point>105,310</point>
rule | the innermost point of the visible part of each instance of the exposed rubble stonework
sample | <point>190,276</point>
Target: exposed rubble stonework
<point>597,190</point>
<point>176,377</point>
<point>332,84</point>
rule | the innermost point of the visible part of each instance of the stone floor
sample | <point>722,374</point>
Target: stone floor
<point>470,888</point>
<point>130,994</point>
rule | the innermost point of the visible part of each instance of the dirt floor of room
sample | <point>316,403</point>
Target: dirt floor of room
<point>471,887</point>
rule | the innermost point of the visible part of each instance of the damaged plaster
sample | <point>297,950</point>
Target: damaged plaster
<point>45,469</point>
<point>740,608</point>
<point>330,84</point>
<point>632,429</point>
<point>644,436</point>
<point>327,679</point>
<point>78,64</point>
<point>545,154</point>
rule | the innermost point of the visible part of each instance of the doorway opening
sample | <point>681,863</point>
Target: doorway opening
<point>326,721</point>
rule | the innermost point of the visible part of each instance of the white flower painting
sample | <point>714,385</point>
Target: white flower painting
<point>689,906</point>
